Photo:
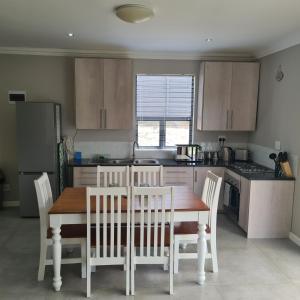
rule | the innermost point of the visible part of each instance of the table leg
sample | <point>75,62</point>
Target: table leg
<point>202,249</point>
<point>56,239</point>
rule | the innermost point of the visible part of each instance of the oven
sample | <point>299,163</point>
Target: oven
<point>232,195</point>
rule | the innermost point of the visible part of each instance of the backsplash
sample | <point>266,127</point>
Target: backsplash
<point>111,149</point>
<point>260,155</point>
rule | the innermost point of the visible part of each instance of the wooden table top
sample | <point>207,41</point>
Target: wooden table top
<point>73,201</point>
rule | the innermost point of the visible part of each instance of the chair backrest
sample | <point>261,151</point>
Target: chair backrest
<point>106,204</point>
<point>152,209</point>
<point>109,176</point>
<point>210,195</point>
<point>45,200</point>
<point>147,176</point>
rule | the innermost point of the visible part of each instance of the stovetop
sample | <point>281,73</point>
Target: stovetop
<point>251,168</point>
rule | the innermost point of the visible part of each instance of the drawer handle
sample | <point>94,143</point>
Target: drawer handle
<point>176,172</point>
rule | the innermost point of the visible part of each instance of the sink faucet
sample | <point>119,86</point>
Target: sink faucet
<point>135,144</point>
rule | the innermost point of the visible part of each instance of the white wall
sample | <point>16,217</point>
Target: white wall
<point>52,78</point>
<point>279,111</point>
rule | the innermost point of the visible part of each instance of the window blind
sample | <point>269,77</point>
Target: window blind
<point>164,97</point>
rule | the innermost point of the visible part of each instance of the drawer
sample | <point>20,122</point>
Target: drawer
<point>178,172</point>
<point>85,171</point>
<point>179,182</point>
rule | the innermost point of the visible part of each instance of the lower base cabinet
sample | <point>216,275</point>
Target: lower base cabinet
<point>84,176</point>
<point>178,176</point>
<point>270,208</point>
<point>244,203</point>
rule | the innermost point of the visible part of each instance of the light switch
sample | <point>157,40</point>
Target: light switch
<point>277,145</point>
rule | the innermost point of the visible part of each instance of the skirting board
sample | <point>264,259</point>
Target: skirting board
<point>11,203</point>
<point>294,238</point>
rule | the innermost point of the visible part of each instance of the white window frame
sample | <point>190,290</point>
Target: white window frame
<point>162,127</point>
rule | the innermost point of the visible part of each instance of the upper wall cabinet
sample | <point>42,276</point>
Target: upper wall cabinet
<point>103,91</point>
<point>228,96</point>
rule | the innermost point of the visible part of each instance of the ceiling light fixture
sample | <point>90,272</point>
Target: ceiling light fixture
<point>208,40</point>
<point>70,34</point>
<point>134,13</point>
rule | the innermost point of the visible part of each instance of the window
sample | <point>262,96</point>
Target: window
<point>164,110</point>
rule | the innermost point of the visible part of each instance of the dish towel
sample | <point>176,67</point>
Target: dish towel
<point>226,194</point>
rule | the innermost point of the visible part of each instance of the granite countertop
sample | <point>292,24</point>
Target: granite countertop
<point>268,174</point>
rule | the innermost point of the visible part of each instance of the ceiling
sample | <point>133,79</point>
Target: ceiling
<point>180,27</point>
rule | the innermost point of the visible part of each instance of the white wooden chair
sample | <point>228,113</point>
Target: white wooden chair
<point>152,229</point>
<point>187,232</point>
<point>71,234</point>
<point>109,176</point>
<point>147,176</point>
<point>107,235</point>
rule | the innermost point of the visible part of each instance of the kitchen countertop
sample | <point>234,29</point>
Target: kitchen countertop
<point>268,175</point>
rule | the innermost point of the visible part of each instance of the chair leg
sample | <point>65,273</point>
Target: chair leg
<point>43,257</point>
<point>176,255</point>
<point>214,258</point>
<point>124,250</point>
<point>167,253</point>
<point>132,269</point>
<point>171,271</point>
<point>127,273</point>
<point>88,280</point>
<point>83,258</point>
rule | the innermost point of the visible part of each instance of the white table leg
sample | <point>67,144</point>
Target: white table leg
<point>56,238</point>
<point>202,249</point>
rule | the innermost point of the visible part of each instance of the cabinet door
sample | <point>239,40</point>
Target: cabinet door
<point>89,93</point>
<point>178,176</point>
<point>84,176</point>
<point>214,94</point>
<point>244,92</point>
<point>199,178</point>
<point>244,204</point>
<point>118,99</point>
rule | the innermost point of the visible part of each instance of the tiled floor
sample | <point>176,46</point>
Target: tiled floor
<point>248,269</point>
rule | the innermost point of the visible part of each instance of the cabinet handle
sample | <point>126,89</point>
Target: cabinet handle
<point>101,119</point>
<point>227,113</point>
<point>195,179</point>
<point>231,119</point>
<point>105,124</point>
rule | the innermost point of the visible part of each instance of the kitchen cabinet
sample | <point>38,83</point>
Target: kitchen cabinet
<point>243,99</point>
<point>84,176</point>
<point>89,93</point>
<point>244,203</point>
<point>214,94</point>
<point>103,90</point>
<point>178,176</point>
<point>199,179</point>
<point>228,96</point>
<point>265,206</point>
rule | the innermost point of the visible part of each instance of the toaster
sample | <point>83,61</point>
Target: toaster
<point>242,154</point>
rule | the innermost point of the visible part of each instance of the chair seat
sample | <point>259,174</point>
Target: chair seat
<point>70,231</point>
<point>188,228</point>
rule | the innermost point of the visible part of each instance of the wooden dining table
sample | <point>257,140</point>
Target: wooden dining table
<point>70,208</point>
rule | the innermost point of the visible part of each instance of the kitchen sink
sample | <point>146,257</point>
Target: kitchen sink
<point>146,162</point>
<point>119,161</point>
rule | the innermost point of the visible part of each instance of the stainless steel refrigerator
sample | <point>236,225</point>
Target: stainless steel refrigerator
<point>38,140</point>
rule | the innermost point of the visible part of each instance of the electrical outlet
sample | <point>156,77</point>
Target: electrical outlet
<point>6,187</point>
<point>277,145</point>
<point>222,137</point>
